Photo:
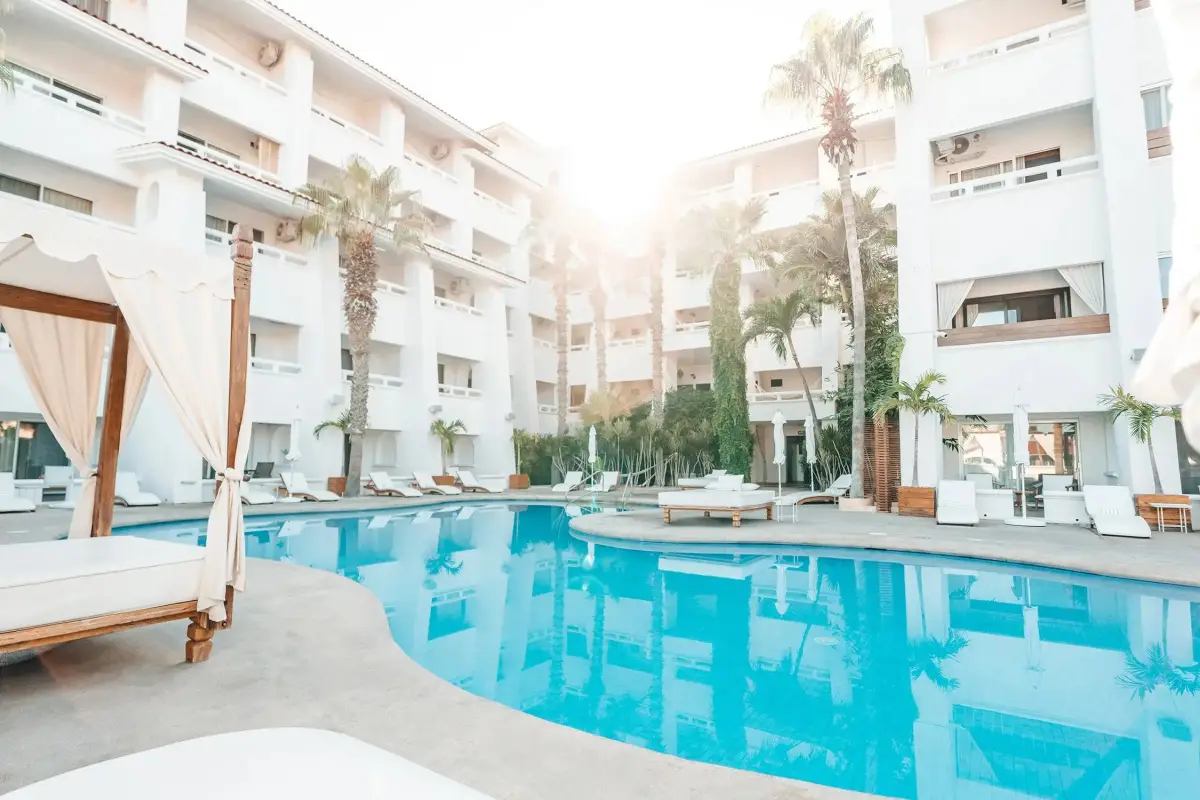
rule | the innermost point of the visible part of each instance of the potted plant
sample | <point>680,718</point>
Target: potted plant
<point>919,400</point>
<point>1141,416</point>
<point>521,439</point>
<point>447,433</point>
<point>337,484</point>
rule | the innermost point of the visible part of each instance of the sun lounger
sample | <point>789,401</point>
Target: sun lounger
<point>426,484</point>
<point>830,494</point>
<point>381,483</point>
<point>57,479</point>
<point>129,493</point>
<point>956,503</point>
<point>570,482</point>
<point>1112,511</point>
<point>255,495</point>
<point>297,486</point>
<point>702,482</point>
<point>708,501</point>
<point>471,484</point>
<point>9,502</point>
<point>608,481</point>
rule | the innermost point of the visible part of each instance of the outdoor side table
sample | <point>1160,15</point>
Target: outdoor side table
<point>1184,510</point>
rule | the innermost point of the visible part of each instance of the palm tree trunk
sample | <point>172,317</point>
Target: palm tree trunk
<point>812,407</point>
<point>600,325</point>
<point>596,662</point>
<point>656,331</point>
<point>916,448</point>
<point>558,634</point>
<point>858,425</point>
<point>360,307</point>
<point>563,388</point>
<point>1153,463</point>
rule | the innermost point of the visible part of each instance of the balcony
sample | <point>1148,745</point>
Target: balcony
<point>1022,331</point>
<point>687,336</point>
<point>274,387</point>
<point>392,313</point>
<point>385,400</point>
<point>227,159</point>
<point>440,191</point>
<point>459,329</point>
<point>496,218</point>
<point>333,140</point>
<point>629,360</point>
<point>238,93</point>
<point>690,291</point>
<point>547,418</point>
<point>794,406</point>
<point>1038,218</point>
<point>545,361</point>
<point>541,298</point>
<point>1010,74</point>
<point>790,205</point>
<point>461,402</point>
<point>279,279</point>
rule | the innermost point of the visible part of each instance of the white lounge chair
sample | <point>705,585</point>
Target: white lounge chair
<point>253,495</point>
<point>1113,513</point>
<point>57,479</point>
<point>471,484</point>
<point>426,484</point>
<point>1057,483</point>
<point>297,486</point>
<point>956,503</point>
<point>381,484</point>
<point>570,482</point>
<point>608,481</point>
<point>734,502</point>
<point>9,502</point>
<point>830,494</point>
<point>129,493</point>
<point>700,483</point>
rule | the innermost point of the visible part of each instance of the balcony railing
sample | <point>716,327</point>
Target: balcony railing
<point>458,391</point>
<point>500,204</point>
<point>461,308</point>
<point>225,240</point>
<point>349,127</point>
<point>27,84</point>
<point>546,343</point>
<point>617,343</point>
<point>97,8</point>
<point>220,64</point>
<point>420,163</point>
<point>374,379</point>
<point>225,159</point>
<point>274,366</point>
<point>544,408</point>
<point>686,327</point>
<point>775,397</point>
<point>386,287</point>
<point>1009,44</point>
<point>1022,177</point>
<point>791,188</point>
<point>1019,331</point>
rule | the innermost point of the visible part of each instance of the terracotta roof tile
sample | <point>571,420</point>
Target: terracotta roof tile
<point>134,35</point>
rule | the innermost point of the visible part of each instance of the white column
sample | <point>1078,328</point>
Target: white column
<point>171,208</point>
<point>320,351</point>
<point>914,179</point>
<point>392,124</point>
<point>462,231</point>
<point>297,77</point>
<point>743,181</point>
<point>160,107</point>
<point>1132,293</point>
<point>418,367</point>
<point>167,23</point>
<point>524,383</point>
<point>493,446</point>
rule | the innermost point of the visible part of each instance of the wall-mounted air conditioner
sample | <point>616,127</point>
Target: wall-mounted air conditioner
<point>958,148</point>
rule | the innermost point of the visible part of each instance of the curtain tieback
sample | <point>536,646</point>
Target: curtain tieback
<point>232,475</point>
<point>92,473</point>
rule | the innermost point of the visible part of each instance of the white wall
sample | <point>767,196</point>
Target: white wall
<point>117,84</point>
<point>968,26</point>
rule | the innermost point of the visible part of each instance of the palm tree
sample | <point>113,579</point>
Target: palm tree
<point>834,66</point>
<point>6,70</point>
<point>447,433</point>
<point>918,400</point>
<point>355,205</point>
<point>717,242</point>
<point>775,318</point>
<point>599,300</point>
<point>1141,416</point>
<point>926,657</point>
<point>552,225</point>
<point>342,423</point>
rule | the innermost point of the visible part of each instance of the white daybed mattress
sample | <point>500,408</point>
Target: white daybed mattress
<point>295,763</point>
<point>42,583</point>
<point>715,499</point>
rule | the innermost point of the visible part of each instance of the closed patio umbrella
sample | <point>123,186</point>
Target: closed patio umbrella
<point>810,450</point>
<point>1021,459</point>
<point>780,447</point>
<point>293,455</point>
<point>592,445</point>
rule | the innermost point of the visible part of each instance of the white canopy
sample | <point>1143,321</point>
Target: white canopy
<point>177,307</point>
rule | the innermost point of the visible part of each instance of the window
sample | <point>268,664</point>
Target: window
<point>1156,107</point>
<point>441,371</point>
<point>975,173</point>
<point>53,197</point>
<point>348,363</point>
<point>448,618</point>
<point>227,226</point>
<point>27,448</point>
<point>30,191</point>
<point>66,89</point>
<point>1036,160</point>
<point>1009,309</point>
<point>776,383</point>
<point>1164,274</point>
<point>439,291</point>
<point>253,344</point>
<point>580,335</point>
<point>578,395</point>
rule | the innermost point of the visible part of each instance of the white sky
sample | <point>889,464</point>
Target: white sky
<point>626,88</point>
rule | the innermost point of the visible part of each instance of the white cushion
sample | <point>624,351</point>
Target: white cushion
<point>726,482</point>
<point>715,499</point>
<point>698,483</point>
<point>46,582</point>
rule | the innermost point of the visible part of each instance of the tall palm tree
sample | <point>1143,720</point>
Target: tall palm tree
<point>775,318</point>
<point>599,300</point>
<point>658,254</point>
<point>6,71</point>
<point>835,66</point>
<point>717,242</point>
<point>1141,416</point>
<point>447,434</point>
<point>552,225</point>
<point>355,205</point>
<point>918,399</point>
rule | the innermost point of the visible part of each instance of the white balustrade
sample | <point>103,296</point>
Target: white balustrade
<point>274,366</point>
<point>225,240</point>
<point>375,379</point>
<point>775,397</point>
<point>791,188</point>
<point>349,127</point>
<point>685,327</point>
<point>387,287</point>
<point>546,343</point>
<point>461,308</point>
<point>225,159</point>
<point>547,409</point>
<point>425,165</point>
<point>1022,177</point>
<point>618,343</point>
<point>27,84</point>
<point>1013,43</point>
<point>458,391</point>
<point>219,64</point>
<point>500,204</point>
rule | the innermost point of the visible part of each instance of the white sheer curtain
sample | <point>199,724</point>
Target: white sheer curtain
<point>184,336</point>
<point>1087,281</point>
<point>950,297</point>
<point>62,359</point>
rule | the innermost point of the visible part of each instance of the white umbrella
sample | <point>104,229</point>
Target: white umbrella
<point>810,448</point>
<point>592,457</point>
<point>781,603</point>
<point>1021,459</point>
<point>780,447</point>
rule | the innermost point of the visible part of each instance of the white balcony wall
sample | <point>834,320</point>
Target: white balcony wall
<point>237,91</point>
<point>459,329</point>
<point>496,218</point>
<point>469,409</point>
<point>112,203</point>
<point>791,205</point>
<point>581,366</point>
<point>272,390</point>
<point>761,357</point>
<point>690,292</point>
<point>545,361</point>
<point>1019,227</point>
<point>440,191</point>
<point>541,298</point>
<point>388,401</point>
<point>629,361</point>
<point>547,421</point>
<point>1152,67</point>
<point>333,140</point>
<point>686,336</point>
<point>763,406</point>
<point>579,308</point>
<point>1160,193</point>
<point>1012,78</point>
<point>1061,375</point>
<point>629,301</point>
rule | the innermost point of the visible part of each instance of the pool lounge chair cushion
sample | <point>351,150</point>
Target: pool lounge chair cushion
<point>9,502</point>
<point>130,493</point>
<point>571,481</point>
<point>471,484</point>
<point>297,486</point>
<point>381,484</point>
<point>42,583</point>
<point>256,496</point>
<point>715,499</point>
<point>1112,511</point>
<point>956,503</point>
<point>426,483</point>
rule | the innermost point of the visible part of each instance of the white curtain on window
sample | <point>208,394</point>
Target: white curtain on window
<point>1087,281</point>
<point>950,297</point>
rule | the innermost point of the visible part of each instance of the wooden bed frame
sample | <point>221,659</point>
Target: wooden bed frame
<point>708,512</point>
<point>201,630</point>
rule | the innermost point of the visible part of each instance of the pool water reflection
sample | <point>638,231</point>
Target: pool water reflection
<point>913,678</point>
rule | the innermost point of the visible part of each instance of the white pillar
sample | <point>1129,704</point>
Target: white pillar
<point>160,107</point>
<point>743,181</point>
<point>167,23</point>
<point>392,125</point>
<point>418,367</point>
<point>524,383</point>
<point>493,447</point>
<point>320,352</point>
<point>171,208</point>
<point>297,77</point>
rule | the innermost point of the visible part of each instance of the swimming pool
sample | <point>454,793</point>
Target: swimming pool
<point>906,676</point>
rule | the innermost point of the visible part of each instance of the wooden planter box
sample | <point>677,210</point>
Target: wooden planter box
<point>336,485</point>
<point>916,501</point>
<point>444,480</point>
<point>1170,515</point>
<point>518,481</point>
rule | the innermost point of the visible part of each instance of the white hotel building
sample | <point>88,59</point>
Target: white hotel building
<point>196,114</point>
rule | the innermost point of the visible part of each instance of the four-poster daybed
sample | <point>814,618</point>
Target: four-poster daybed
<point>66,286</point>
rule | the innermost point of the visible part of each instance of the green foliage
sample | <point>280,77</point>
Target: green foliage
<point>917,399</point>
<point>1143,677</point>
<point>340,422</point>
<point>448,433</point>
<point>1141,416</point>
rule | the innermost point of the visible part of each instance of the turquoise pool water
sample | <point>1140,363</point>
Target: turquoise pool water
<point>908,676</point>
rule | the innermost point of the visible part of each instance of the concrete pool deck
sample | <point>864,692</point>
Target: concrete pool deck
<point>310,648</point>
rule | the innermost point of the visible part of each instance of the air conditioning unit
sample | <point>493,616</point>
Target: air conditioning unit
<point>269,54</point>
<point>287,230</point>
<point>958,148</point>
<point>457,285</point>
<point>336,399</point>
<point>439,151</point>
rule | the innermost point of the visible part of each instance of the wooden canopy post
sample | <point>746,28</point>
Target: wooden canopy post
<point>110,432</point>
<point>239,355</point>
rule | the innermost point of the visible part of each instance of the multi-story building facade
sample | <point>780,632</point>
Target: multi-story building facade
<point>1034,196</point>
